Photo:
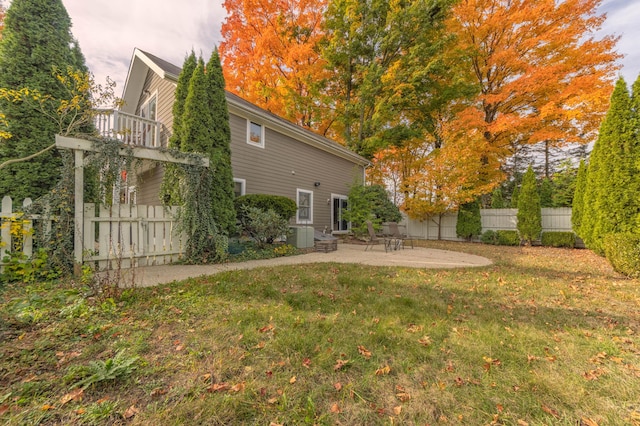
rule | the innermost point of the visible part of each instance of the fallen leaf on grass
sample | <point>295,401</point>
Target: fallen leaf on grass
<point>293,380</point>
<point>403,396</point>
<point>587,422</point>
<point>218,387</point>
<point>551,411</point>
<point>131,411</point>
<point>425,341</point>
<point>260,345</point>
<point>80,411</point>
<point>47,407</point>
<point>522,423</point>
<point>3,409</point>
<point>306,362</point>
<point>594,374</point>
<point>340,363</point>
<point>413,328</point>
<point>335,408</point>
<point>272,401</point>
<point>266,328</point>
<point>337,386</point>
<point>397,410</point>
<point>237,388</point>
<point>75,395</point>
<point>364,352</point>
<point>383,371</point>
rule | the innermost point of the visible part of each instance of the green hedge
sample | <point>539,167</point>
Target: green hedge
<point>285,207</point>
<point>623,252</point>
<point>501,237</point>
<point>558,239</point>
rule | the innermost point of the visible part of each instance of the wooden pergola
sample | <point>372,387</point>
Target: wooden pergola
<point>79,147</point>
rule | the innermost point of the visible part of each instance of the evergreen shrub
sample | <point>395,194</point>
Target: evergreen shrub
<point>501,237</point>
<point>508,237</point>
<point>283,206</point>
<point>558,239</point>
<point>489,237</point>
<point>623,252</point>
<point>469,223</point>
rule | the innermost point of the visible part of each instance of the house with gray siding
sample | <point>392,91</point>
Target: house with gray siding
<point>269,155</point>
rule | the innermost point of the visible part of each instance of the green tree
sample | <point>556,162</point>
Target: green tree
<point>529,214</point>
<point>564,184</point>
<point>369,203</point>
<point>170,192</point>
<point>578,199</point>
<point>220,150</point>
<point>36,40</point>
<point>497,200</point>
<point>609,206</point>
<point>382,55</point>
<point>546,192</point>
<point>469,223</point>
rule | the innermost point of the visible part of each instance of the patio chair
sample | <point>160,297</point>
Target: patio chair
<point>394,229</point>
<point>375,239</point>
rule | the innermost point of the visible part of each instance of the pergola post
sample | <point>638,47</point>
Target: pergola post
<point>79,211</point>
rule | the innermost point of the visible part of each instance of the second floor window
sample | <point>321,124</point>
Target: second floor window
<point>255,134</point>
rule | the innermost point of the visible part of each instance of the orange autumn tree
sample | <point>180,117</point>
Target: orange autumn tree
<point>541,73</point>
<point>270,57</point>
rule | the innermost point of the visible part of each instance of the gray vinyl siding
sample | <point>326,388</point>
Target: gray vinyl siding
<point>148,185</point>
<point>285,165</point>
<point>281,168</point>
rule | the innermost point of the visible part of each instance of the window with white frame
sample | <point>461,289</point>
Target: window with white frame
<point>255,134</point>
<point>305,206</point>
<point>239,187</point>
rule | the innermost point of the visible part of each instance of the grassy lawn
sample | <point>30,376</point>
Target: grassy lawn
<point>543,336</point>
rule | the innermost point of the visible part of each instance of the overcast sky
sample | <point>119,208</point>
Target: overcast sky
<point>108,31</point>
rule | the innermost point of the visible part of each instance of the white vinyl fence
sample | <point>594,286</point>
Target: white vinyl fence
<point>553,219</point>
<point>122,235</point>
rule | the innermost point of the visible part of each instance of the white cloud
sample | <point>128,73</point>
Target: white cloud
<point>109,30</point>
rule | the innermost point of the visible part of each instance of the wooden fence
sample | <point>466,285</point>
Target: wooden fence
<point>553,219</point>
<point>118,236</point>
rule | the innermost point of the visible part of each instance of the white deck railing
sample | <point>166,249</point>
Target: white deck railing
<point>130,129</point>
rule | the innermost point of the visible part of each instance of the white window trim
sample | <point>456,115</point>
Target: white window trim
<point>249,141</point>
<point>304,221</point>
<point>243,185</point>
<point>340,197</point>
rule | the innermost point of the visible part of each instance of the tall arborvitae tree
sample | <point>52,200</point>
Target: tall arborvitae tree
<point>170,192</point>
<point>469,222</point>
<point>36,39</point>
<point>606,200</point>
<point>529,214</point>
<point>182,90</point>
<point>220,150</point>
<point>578,199</point>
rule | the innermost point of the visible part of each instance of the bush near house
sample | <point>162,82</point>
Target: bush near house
<point>285,207</point>
<point>558,239</point>
<point>623,252</point>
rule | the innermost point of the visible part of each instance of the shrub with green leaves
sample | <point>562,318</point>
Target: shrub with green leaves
<point>489,237</point>
<point>558,239</point>
<point>622,250</point>
<point>369,203</point>
<point>264,226</point>
<point>469,223</point>
<point>529,214</point>
<point>117,367</point>
<point>285,207</point>
<point>508,237</point>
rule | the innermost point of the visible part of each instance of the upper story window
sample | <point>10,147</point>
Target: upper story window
<point>255,134</point>
<point>148,109</point>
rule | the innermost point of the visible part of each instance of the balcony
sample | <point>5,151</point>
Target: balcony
<point>128,128</point>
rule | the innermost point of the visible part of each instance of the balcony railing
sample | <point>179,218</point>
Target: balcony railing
<point>128,128</point>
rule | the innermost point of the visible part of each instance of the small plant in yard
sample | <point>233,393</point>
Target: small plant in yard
<point>263,226</point>
<point>529,213</point>
<point>284,250</point>
<point>120,366</point>
<point>558,239</point>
